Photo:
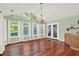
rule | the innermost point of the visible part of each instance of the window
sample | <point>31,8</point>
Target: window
<point>13,28</point>
<point>35,29</point>
<point>25,29</point>
<point>41,29</point>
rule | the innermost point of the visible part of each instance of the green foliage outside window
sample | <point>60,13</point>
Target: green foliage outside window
<point>14,28</point>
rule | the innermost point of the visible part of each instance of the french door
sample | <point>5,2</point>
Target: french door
<point>18,31</point>
<point>35,31</point>
<point>53,30</point>
<point>13,31</point>
<point>26,31</point>
<point>42,30</point>
<point>49,30</point>
<point>22,31</point>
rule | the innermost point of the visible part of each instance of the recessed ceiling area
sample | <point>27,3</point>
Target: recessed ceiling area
<point>51,11</point>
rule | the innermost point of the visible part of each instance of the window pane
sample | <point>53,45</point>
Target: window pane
<point>14,28</point>
<point>41,29</point>
<point>55,31</point>
<point>26,28</point>
<point>14,33</point>
<point>26,31</point>
<point>25,24</point>
<point>49,30</point>
<point>35,29</point>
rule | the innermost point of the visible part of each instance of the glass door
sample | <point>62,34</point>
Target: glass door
<point>42,30</point>
<point>49,30</point>
<point>55,32</point>
<point>35,30</point>
<point>13,31</point>
<point>26,33</point>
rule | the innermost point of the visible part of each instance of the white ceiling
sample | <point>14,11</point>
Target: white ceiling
<point>51,11</point>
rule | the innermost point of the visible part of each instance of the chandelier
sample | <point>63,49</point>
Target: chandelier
<point>41,15</point>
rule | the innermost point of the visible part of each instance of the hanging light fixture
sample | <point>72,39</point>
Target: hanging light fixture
<point>41,16</point>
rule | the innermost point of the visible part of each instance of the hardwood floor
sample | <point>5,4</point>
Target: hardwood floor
<point>41,47</point>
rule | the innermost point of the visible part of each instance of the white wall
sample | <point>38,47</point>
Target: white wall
<point>2,41</point>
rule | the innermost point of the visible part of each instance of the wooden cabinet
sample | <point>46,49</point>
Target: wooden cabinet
<point>72,40</point>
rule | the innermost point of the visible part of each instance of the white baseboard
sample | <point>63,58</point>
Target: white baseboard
<point>57,39</point>
<point>73,48</point>
<point>61,40</point>
<point>1,52</point>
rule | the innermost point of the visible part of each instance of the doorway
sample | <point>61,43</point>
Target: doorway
<point>53,31</point>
